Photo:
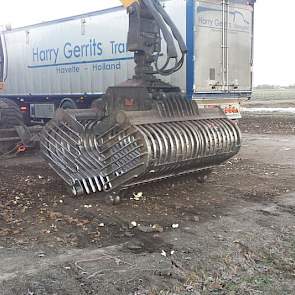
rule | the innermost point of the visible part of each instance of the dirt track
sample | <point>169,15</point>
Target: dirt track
<point>235,233</point>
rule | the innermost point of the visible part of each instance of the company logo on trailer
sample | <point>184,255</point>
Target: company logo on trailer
<point>70,53</point>
<point>239,21</point>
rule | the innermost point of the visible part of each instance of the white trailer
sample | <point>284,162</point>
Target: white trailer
<point>72,61</point>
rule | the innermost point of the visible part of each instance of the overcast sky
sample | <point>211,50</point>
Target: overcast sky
<point>274,30</point>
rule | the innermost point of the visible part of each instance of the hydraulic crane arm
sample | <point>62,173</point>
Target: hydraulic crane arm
<point>147,22</point>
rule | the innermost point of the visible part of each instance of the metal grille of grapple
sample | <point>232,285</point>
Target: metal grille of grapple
<point>188,146</point>
<point>177,142</point>
<point>176,107</point>
<point>122,157</point>
<point>90,163</point>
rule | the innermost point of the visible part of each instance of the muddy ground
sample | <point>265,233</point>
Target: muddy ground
<point>234,234</point>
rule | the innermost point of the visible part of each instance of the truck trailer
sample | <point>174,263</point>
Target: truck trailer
<point>69,63</point>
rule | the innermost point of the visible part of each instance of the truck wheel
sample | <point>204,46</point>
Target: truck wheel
<point>68,103</point>
<point>97,104</point>
<point>10,115</point>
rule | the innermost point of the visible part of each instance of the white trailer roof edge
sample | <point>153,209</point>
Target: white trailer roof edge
<point>65,19</point>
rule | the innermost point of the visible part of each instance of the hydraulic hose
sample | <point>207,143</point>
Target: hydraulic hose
<point>171,48</point>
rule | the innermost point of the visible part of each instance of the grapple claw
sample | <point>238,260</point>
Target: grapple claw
<point>173,137</point>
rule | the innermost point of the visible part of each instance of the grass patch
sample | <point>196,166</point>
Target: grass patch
<point>271,94</point>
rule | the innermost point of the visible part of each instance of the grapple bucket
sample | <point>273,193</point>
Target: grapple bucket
<point>174,137</point>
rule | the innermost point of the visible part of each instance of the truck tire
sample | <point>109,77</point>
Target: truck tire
<point>68,104</point>
<point>10,115</point>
